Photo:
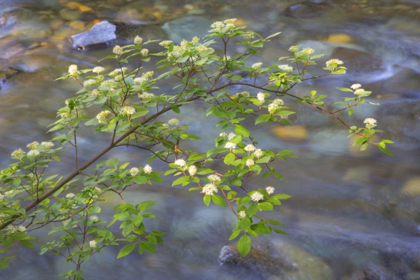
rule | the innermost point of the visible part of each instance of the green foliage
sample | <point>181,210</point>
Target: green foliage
<point>130,115</point>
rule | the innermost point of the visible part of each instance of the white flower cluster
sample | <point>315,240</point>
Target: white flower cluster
<point>249,163</point>
<point>332,63</point>
<point>194,50</point>
<point>73,70</point>
<point>144,52</point>
<point>33,153</point>
<point>146,95</point>
<point>88,83</point>
<point>275,105</point>
<point>230,145</point>
<point>173,122</point>
<point>127,111</point>
<point>257,65</point>
<point>180,162</point>
<point>285,68</point>
<point>225,26</point>
<point>256,196</point>
<point>357,88</point>
<point>249,148</point>
<point>33,145</point>
<point>138,40</point>
<point>98,69</point>
<point>117,73</point>
<point>370,123</point>
<point>70,195</point>
<point>214,178</point>
<point>242,214</point>
<point>192,170</point>
<point>13,229</point>
<point>166,43</point>
<point>117,50</point>
<point>47,145</point>
<point>308,51</point>
<point>258,153</point>
<point>270,190</point>
<point>147,169</point>
<point>101,117</point>
<point>94,218</point>
<point>272,108</point>
<point>19,153</point>
<point>148,75</point>
<point>92,244</point>
<point>134,171</point>
<point>139,81</point>
<point>261,96</point>
<point>293,49</point>
<point>210,189</point>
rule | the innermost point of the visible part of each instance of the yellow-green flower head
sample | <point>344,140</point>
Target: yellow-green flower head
<point>138,40</point>
<point>117,50</point>
<point>73,70</point>
<point>33,146</point>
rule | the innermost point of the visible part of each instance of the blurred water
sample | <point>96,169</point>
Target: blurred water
<point>349,209</point>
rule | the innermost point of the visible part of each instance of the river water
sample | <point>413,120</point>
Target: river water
<point>351,212</point>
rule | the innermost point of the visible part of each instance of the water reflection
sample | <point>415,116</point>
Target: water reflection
<point>349,210</point>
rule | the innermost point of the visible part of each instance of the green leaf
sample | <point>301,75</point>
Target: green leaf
<point>279,231</point>
<point>244,245</point>
<point>138,220</point>
<point>240,130</point>
<point>182,180</point>
<point>244,223</point>
<point>262,118</point>
<point>274,222</point>
<point>145,205</point>
<point>252,210</point>
<point>112,162</point>
<point>266,206</point>
<point>218,200</point>
<point>345,89</point>
<point>234,234</point>
<point>27,243</point>
<point>281,196</point>
<point>148,246</point>
<point>126,250</point>
<point>140,180</point>
<point>261,229</point>
<point>207,199</point>
<point>236,78</point>
<point>229,159</point>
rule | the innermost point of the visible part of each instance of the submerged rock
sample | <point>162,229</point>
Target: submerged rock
<point>187,27</point>
<point>105,32</point>
<point>258,261</point>
<point>306,10</point>
<point>278,261</point>
<point>6,73</point>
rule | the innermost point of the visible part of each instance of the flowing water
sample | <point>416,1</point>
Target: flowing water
<point>349,211</point>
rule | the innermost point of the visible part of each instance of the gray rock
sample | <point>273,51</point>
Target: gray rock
<point>105,32</point>
<point>101,33</point>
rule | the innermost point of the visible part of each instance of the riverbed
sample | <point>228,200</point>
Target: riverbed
<point>352,212</point>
